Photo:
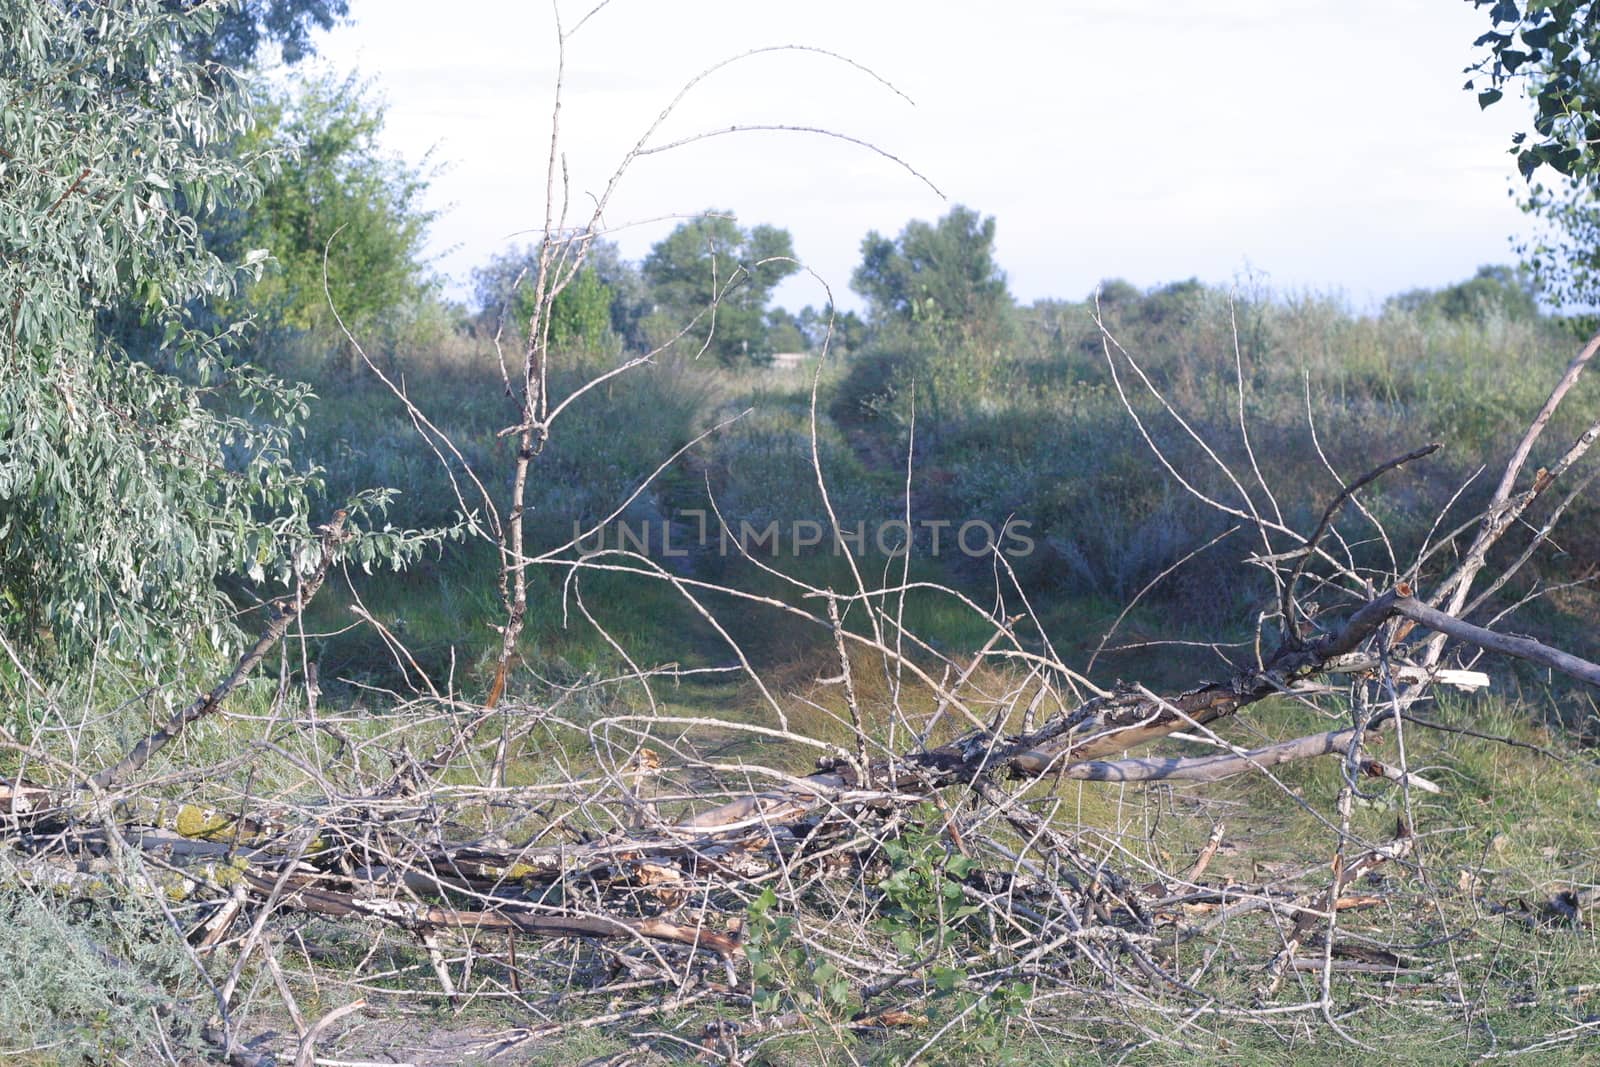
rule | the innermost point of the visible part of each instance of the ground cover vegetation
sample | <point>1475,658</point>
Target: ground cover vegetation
<point>623,669</point>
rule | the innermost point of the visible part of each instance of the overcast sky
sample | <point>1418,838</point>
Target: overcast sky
<point>1321,144</point>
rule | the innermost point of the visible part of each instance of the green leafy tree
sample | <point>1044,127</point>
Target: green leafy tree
<point>580,315</point>
<point>1564,253</point>
<point>849,330</point>
<point>124,492</point>
<point>938,283</point>
<point>606,301</point>
<point>242,28</point>
<point>1507,292</point>
<point>341,218</point>
<point>1552,51</point>
<point>713,269</point>
<point>239,32</point>
<point>783,332</point>
<point>1116,293</point>
<point>630,297</point>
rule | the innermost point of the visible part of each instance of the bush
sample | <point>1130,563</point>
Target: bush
<point>126,488</point>
<point>95,977</point>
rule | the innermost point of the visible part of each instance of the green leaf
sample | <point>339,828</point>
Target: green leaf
<point>1539,37</point>
<point>763,902</point>
<point>1488,97</point>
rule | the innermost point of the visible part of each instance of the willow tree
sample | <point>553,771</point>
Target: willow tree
<point>126,488</point>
